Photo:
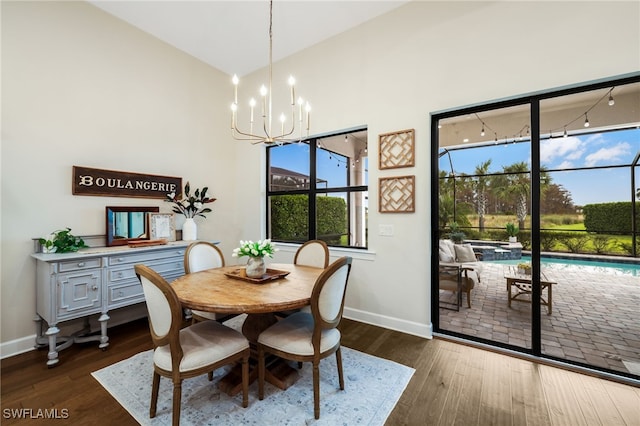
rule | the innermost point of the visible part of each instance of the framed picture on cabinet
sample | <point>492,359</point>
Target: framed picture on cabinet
<point>162,226</point>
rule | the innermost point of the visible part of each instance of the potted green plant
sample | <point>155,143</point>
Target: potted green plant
<point>512,232</point>
<point>524,268</point>
<point>456,235</point>
<point>61,241</point>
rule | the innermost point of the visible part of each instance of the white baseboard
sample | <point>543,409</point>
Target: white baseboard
<point>17,346</point>
<point>408,327</point>
<point>117,317</point>
<point>120,316</point>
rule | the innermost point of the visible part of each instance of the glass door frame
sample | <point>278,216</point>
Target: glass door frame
<point>533,100</point>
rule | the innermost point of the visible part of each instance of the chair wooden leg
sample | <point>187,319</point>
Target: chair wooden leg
<point>260,372</point>
<point>210,376</point>
<point>316,389</point>
<point>177,396</point>
<point>245,381</point>
<point>154,394</point>
<point>339,364</point>
<point>469,298</point>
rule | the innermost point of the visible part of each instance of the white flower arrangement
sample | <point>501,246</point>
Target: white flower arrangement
<point>260,248</point>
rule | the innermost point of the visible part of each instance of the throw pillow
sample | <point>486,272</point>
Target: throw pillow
<point>445,256</point>
<point>446,249</point>
<point>464,253</point>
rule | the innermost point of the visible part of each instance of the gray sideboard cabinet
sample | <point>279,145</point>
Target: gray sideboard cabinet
<point>94,281</point>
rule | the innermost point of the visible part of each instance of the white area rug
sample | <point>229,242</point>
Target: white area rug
<point>372,388</point>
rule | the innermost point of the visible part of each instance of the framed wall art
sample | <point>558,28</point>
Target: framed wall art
<point>397,194</point>
<point>396,149</point>
<point>162,226</point>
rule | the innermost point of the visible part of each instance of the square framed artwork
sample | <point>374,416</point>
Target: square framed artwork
<point>397,194</point>
<point>162,226</point>
<point>396,149</point>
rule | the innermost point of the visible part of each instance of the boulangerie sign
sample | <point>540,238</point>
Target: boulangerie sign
<point>112,183</point>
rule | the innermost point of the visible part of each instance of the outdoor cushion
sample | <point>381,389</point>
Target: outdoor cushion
<point>447,251</point>
<point>464,253</point>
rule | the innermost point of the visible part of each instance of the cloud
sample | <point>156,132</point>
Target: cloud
<point>609,155</point>
<point>570,148</point>
<point>565,165</point>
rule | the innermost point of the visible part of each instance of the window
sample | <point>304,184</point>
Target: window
<point>318,189</point>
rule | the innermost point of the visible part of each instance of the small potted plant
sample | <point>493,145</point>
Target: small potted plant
<point>256,251</point>
<point>61,241</point>
<point>524,268</point>
<point>512,232</point>
<point>456,235</point>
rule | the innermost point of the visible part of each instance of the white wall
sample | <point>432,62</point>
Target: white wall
<point>391,72</point>
<point>76,81</point>
<point>80,87</point>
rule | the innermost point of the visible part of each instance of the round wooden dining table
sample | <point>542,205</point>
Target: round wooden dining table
<point>227,290</point>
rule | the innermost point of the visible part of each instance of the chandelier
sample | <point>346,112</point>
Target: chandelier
<point>269,135</point>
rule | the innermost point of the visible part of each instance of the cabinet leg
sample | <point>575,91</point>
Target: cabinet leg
<point>52,334</point>
<point>41,339</point>
<point>104,339</point>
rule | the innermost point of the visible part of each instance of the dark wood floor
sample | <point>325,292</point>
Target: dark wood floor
<point>453,384</point>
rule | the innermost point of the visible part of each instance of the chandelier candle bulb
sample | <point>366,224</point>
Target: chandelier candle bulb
<point>235,81</point>
<point>292,82</point>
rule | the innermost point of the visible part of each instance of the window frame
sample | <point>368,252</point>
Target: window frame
<point>313,191</point>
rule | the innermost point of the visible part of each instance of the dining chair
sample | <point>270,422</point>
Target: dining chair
<point>310,337</point>
<point>312,253</point>
<point>199,256</point>
<point>188,352</point>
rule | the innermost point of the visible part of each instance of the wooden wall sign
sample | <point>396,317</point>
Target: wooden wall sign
<point>111,183</point>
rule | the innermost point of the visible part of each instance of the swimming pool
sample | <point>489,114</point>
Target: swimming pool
<point>594,266</point>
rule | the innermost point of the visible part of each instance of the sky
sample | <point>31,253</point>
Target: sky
<point>588,150</point>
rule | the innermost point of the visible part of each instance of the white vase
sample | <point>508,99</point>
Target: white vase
<point>513,239</point>
<point>256,267</point>
<point>189,230</point>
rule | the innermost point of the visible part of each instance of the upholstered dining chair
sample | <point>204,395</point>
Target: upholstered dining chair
<point>188,352</point>
<point>310,337</point>
<point>312,253</point>
<point>199,256</point>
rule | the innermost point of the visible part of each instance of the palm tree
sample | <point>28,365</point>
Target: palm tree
<point>482,185</point>
<point>515,185</point>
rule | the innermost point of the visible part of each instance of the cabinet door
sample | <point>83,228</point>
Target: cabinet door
<point>80,293</point>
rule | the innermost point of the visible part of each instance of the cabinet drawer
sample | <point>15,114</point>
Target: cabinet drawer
<point>146,257</point>
<point>168,268</point>
<point>121,274</point>
<point>126,293</point>
<point>79,264</point>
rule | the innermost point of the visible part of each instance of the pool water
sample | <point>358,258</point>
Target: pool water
<point>593,266</point>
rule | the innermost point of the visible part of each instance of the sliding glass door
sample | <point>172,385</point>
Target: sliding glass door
<point>544,192</point>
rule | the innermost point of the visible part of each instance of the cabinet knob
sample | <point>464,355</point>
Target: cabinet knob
<point>120,275</point>
<point>80,264</point>
<point>180,251</point>
<point>120,259</point>
<point>121,293</point>
<point>94,288</point>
